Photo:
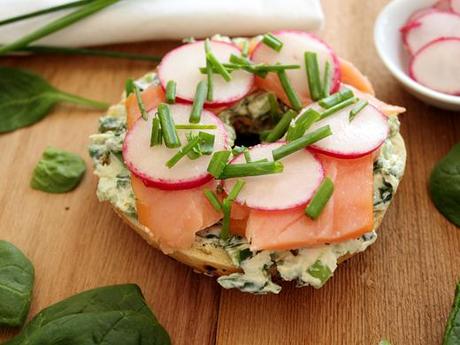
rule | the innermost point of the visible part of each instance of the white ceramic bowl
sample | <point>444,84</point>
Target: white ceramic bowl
<point>390,49</point>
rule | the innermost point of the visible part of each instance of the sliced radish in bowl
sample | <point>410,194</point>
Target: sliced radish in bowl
<point>437,66</point>
<point>351,139</point>
<point>183,66</point>
<point>295,44</point>
<point>149,163</point>
<point>429,27</point>
<point>294,187</point>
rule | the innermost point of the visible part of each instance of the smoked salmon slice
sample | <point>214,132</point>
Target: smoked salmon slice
<point>349,75</point>
<point>174,217</point>
<point>348,214</point>
<point>152,97</point>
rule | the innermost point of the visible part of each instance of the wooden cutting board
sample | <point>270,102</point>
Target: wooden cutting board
<point>400,289</point>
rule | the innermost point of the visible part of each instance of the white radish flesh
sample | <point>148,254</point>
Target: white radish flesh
<point>294,187</point>
<point>149,163</point>
<point>437,66</point>
<point>295,44</point>
<point>429,27</point>
<point>183,66</point>
<point>352,139</point>
<point>455,6</point>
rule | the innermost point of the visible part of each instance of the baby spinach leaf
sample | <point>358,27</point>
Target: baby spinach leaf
<point>58,171</point>
<point>445,185</point>
<point>116,327</point>
<point>26,98</point>
<point>114,315</point>
<point>452,333</point>
<point>16,283</point>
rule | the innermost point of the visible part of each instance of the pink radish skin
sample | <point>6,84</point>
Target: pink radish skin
<point>428,27</point>
<point>455,6</point>
<point>437,66</point>
<point>292,188</point>
<point>149,163</point>
<point>296,43</point>
<point>365,134</point>
<point>183,63</point>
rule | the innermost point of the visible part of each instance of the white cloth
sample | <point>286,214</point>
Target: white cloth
<point>140,20</point>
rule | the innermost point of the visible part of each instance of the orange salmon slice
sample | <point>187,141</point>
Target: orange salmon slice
<point>174,217</point>
<point>348,214</point>
<point>151,97</point>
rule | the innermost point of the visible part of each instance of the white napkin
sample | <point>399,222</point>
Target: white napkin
<point>139,20</point>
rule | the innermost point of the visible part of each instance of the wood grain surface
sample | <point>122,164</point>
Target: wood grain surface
<point>400,289</point>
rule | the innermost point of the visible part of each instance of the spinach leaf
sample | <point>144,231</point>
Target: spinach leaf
<point>16,283</point>
<point>26,98</point>
<point>452,333</point>
<point>58,171</point>
<point>445,185</point>
<point>114,315</point>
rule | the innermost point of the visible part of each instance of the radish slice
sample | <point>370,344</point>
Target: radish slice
<point>293,187</point>
<point>183,66</point>
<point>295,44</point>
<point>437,66</point>
<point>149,163</point>
<point>429,27</point>
<point>416,15</point>
<point>352,139</point>
<point>455,6</point>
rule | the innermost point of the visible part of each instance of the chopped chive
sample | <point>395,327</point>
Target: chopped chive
<point>206,142</point>
<point>251,169</point>
<point>245,48</point>
<point>156,136</point>
<point>215,63</point>
<point>236,189</point>
<point>198,102</point>
<point>275,110</point>
<point>301,143</point>
<point>336,98</point>
<point>209,74</point>
<point>314,82</point>
<point>195,152</point>
<point>129,87</point>
<point>272,41</point>
<point>327,80</point>
<point>247,156</point>
<point>320,199</point>
<point>289,90</point>
<point>218,162</point>
<point>182,152</point>
<point>281,127</point>
<point>194,126</point>
<point>140,103</point>
<point>226,208</point>
<point>171,92</point>
<point>239,60</point>
<point>302,123</point>
<point>168,130</point>
<point>320,271</point>
<point>273,68</point>
<point>213,199</point>
<point>357,109</point>
<point>337,107</point>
